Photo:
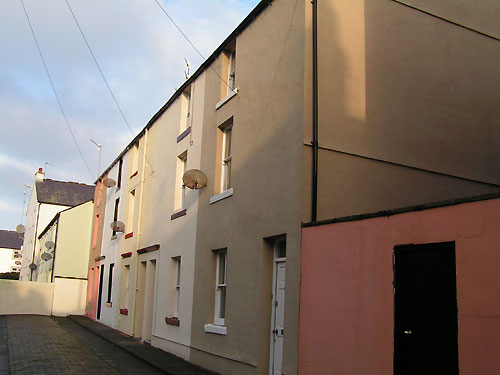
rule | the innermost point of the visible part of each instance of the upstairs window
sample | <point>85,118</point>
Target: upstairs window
<point>185,110</point>
<point>119,179</point>
<point>131,208</point>
<point>115,216</point>
<point>227,155</point>
<point>231,72</point>
<point>180,189</point>
<point>135,157</point>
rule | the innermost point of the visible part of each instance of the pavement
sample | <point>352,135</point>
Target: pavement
<point>34,344</point>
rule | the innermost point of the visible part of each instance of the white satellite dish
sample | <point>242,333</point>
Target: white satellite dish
<point>50,245</point>
<point>20,229</point>
<point>117,226</point>
<point>46,256</point>
<point>108,182</point>
<point>194,179</point>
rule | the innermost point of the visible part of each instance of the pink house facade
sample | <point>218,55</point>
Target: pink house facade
<point>357,276</point>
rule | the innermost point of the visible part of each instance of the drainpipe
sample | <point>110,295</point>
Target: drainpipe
<point>314,203</point>
<point>139,220</point>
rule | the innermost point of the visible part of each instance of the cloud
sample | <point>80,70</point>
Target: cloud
<point>141,55</point>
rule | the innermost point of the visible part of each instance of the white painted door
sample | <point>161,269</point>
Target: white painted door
<point>278,319</point>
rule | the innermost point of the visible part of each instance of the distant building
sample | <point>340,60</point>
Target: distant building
<point>48,197</point>
<point>10,251</point>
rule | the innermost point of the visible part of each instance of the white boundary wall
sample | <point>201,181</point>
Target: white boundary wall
<point>64,297</point>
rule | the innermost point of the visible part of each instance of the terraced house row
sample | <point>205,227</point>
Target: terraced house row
<point>223,233</point>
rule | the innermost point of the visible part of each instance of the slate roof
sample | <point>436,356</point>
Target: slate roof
<point>10,239</point>
<point>63,193</point>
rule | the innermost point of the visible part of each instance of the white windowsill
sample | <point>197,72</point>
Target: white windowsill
<point>226,99</point>
<point>218,330</point>
<point>223,195</point>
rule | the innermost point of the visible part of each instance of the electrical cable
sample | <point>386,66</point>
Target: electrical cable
<point>194,47</point>
<point>55,91</point>
<point>105,80</point>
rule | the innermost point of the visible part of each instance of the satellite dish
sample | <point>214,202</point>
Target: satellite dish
<point>33,266</point>
<point>46,256</point>
<point>20,229</point>
<point>194,179</point>
<point>109,182</point>
<point>50,245</point>
<point>118,226</point>
<point>18,262</point>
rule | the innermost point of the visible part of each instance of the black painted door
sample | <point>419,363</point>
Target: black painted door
<point>425,309</point>
<point>99,296</point>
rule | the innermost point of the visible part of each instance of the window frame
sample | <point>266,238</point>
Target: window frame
<point>220,288</point>
<point>177,287</point>
<point>226,157</point>
<point>231,72</point>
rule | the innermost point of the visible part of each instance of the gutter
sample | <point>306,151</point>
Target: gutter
<point>314,190</point>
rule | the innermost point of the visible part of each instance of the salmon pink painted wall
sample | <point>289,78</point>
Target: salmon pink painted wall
<point>346,295</point>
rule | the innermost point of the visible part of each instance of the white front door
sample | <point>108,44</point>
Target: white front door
<point>277,325</point>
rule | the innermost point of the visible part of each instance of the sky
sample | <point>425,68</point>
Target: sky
<point>141,55</point>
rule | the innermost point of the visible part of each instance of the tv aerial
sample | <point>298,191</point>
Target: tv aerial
<point>194,179</point>
<point>186,72</point>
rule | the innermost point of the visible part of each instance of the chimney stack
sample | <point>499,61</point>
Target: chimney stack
<point>39,176</point>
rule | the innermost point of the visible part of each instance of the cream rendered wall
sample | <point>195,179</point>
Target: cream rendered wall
<point>266,201</point>
<point>23,297</point>
<point>73,242</point>
<point>136,178</point>
<point>110,247</point>
<point>69,297</point>
<point>177,237</point>
<point>37,219</point>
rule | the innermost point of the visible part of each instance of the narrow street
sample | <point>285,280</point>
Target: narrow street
<point>33,344</point>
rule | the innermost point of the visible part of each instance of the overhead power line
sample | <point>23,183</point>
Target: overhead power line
<point>192,45</point>
<point>104,79</point>
<point>55,91</point>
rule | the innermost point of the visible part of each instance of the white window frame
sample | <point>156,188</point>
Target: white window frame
<point>186,110</point>
<point>220,288</point>
<point>131,209</point>
<point>226,159</point>
<point>177,287</point>
<point>231,72</point>
<point>180,188</point>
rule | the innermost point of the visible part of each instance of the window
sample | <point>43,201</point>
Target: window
<point>135,157</point>
<point>96,227</point>
<point>231,72</point>
<point>110,281</point>
<point>220,287</point>
<point>131,207</point>
<point>180,189</point>
<point>227,156</point>
<point>119,180</point>
<point>99,193</point>
<point>185,110</point>
<point>115,216</point>
<point>177,290</point>
<point>124,287</point>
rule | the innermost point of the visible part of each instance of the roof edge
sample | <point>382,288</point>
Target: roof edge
<point>402,210</point>
<point>204,66</point>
